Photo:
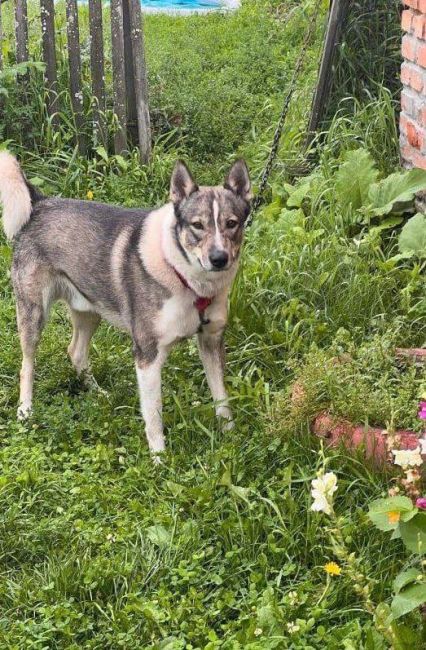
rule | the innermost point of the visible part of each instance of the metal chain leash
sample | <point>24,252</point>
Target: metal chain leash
<point>283,116</point>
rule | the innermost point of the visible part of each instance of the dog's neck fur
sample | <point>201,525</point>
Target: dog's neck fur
<point>162,257</point>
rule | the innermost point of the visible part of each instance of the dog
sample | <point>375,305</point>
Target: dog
<point>161,275</point>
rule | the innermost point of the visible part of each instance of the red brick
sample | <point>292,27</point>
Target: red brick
<point>405,74</point>
<point>421,6</point>
<point>407,19</point>
<point>419,25</point>
<point>412,157</point>
<point>413,76</point>
<point>407,102</point>
<point>409,47</point>
<point>421,116</point>
<point>421,54</point>
<point>412,3</point>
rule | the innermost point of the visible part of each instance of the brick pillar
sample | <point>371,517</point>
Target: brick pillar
<point>413,76</point>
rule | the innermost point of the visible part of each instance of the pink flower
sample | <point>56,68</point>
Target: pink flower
<point>422,412</point>
<point>421,503</point>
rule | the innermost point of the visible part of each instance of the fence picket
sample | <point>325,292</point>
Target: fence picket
<point>21,31</point>
<point>74,61</point>
<point>118,75</point>
<point>97,69</point>
<point>140,80</point>
<point>49,56</point>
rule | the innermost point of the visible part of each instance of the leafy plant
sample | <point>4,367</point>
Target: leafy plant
<point>412,240</point>
<point>398,514</point>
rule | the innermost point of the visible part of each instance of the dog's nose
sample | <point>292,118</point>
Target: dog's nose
<point>218,258</point>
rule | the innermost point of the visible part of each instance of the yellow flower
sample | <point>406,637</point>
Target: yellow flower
<point>394,516</point>
<point>332,569</point>
<point>89,195</point>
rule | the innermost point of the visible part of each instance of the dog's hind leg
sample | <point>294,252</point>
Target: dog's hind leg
<point>31,318</point>
<point>85,325</point>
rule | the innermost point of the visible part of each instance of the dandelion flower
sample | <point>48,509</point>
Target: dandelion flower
<point>322,492</point>
<point>332,569</point>
<point>89,195</point>
<point>406,458</point>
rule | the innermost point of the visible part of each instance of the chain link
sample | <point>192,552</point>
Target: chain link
<point>283,116</point>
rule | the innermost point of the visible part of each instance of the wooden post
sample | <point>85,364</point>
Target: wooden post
<point>140,80</point>
<point>132,117</point>
<point>118,75</point>
<point>47,9</point>
<point>97,69</point>
<point>21,31</point>
<point>74,60</point>
<point>338,12</point>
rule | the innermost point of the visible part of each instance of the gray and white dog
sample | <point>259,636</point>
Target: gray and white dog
<point>161,275</point>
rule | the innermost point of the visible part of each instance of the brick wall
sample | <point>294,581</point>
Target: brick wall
<point>413,77</point>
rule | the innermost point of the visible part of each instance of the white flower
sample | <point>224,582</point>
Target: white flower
<point>258,631</point>
<point>322,492</point>
<point>407,457</point>
<point>293,628</point>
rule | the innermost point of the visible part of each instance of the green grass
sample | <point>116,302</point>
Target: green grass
<point>217,547</point>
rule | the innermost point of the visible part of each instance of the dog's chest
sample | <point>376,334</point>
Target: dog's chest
<point>178,319</point>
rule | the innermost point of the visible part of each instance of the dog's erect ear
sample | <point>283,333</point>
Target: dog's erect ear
<point>182,184</point>
<point>238,180</point>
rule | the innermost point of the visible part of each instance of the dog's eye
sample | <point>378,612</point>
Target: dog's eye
<point>231,223</point>
<point>197,225</point>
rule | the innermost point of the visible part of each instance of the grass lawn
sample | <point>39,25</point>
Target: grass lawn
<point>218,547</point>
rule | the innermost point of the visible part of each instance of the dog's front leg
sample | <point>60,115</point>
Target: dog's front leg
<point>148,370</point>
<point>212,353</point>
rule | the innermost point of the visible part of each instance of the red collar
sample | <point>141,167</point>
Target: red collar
<point>201,302</point>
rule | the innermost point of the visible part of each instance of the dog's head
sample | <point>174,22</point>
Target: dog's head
<point>210,220</point>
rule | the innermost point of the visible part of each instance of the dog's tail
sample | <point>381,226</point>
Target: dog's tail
<point>16,195</point>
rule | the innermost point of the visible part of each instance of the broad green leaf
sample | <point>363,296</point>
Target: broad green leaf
<point>226,480</point>
<point>297,194</point>
<point>240,492</point>
<point>102,153</point>
<point>354,178</point>
<point>379,511</point>
<point>288,220</point>
<point>405,578</point>
<point>159,535</point>
<point>408,599</point>
<point>396,192</point>
<point>386,224</point>
<point>413,533</point>
<point>412,239</point>
<point>272,210</point>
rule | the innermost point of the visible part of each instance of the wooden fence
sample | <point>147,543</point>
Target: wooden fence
<point>130,88</point>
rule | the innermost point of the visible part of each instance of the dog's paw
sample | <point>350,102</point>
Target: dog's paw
<point>224,415</point>
<point>24,412</point>
<point>157,458</point>
<point>227,425</point>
